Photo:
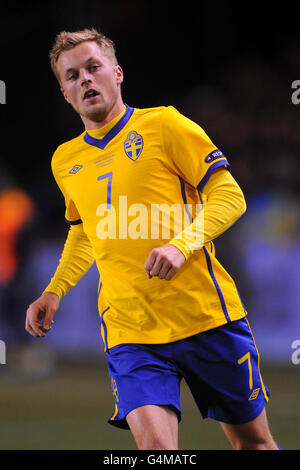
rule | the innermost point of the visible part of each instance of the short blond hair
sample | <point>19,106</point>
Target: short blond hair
<point>67,40</point>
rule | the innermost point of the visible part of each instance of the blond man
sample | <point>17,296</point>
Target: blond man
<point>168,309</point>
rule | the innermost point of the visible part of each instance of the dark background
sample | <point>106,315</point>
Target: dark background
<point>229,66</point>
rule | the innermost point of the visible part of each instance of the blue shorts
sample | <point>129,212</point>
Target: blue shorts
<point>220,366</point>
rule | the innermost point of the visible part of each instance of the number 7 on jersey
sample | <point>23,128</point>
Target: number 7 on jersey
<point>109,176</point>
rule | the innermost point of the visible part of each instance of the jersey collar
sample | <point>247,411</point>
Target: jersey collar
<point>101,143</point>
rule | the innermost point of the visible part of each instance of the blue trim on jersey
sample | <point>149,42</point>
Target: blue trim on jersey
<point>201,200</point>
<point>183,193</point>
<point>101,143</point>
<point>209,172</point>
<point>209,265</point>
<point>104,328</point>
<point>73,222</point>
<point>220,294</point>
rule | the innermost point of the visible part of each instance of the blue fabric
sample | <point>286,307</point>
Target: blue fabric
<point>150,374</point>
<point>102,143</point>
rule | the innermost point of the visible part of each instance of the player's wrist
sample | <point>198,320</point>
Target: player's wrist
<point>50,293</point>
<point>181,246</point>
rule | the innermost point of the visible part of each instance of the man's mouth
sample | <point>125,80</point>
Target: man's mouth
<point>90,94</point>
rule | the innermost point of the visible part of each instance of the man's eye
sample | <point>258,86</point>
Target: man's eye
<point>72,77</point>
<point>93,68</point>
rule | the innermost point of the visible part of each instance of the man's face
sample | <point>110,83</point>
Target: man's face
<point>90,82</point>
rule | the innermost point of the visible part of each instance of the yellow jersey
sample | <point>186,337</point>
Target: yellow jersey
<point>112,179</point>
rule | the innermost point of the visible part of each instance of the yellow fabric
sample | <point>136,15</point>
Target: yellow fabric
<point>225,204</point>
<point>76,259</point>
<point>77,256</point>
<point>157,157</point>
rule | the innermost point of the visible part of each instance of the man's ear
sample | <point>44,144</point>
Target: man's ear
<point>119,74</point>
<point>65,95</point>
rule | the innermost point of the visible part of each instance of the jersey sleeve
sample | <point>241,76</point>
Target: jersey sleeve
<point>188,149</point>
<point>72,216</point>
<point>225,204</point>
<point>76,259</point>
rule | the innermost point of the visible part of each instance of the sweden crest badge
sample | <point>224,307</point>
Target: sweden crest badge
<point>133,145</point>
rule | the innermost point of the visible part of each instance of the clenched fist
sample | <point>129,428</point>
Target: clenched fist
<point>164,262</point>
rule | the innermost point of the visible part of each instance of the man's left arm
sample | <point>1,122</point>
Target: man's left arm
<point>224,206</point>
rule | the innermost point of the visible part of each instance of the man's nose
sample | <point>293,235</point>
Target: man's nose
<point>85,77</point>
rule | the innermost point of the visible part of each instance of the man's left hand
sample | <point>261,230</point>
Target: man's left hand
<point>164,262</point>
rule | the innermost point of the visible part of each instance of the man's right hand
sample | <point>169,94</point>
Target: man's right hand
<point>40,313</point>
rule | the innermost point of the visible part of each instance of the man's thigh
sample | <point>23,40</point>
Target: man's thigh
<point>142,375</point>
<point>154,427</point>
<point>254,435</point>
<point>221,367</point>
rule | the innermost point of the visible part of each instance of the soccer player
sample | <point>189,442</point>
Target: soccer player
<point>168,309</point>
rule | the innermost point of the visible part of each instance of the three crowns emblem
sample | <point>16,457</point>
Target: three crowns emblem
<point>133,145</point>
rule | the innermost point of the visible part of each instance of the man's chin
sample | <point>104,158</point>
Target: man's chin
<point>95,112</point>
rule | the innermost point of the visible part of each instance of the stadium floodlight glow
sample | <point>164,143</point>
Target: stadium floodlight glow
<point>2,352</point>
<point>2,92</point>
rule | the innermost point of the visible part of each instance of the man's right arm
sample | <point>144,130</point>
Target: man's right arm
<point>76,259</point>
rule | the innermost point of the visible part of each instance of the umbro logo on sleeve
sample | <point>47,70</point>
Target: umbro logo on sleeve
<point>75,169</point>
